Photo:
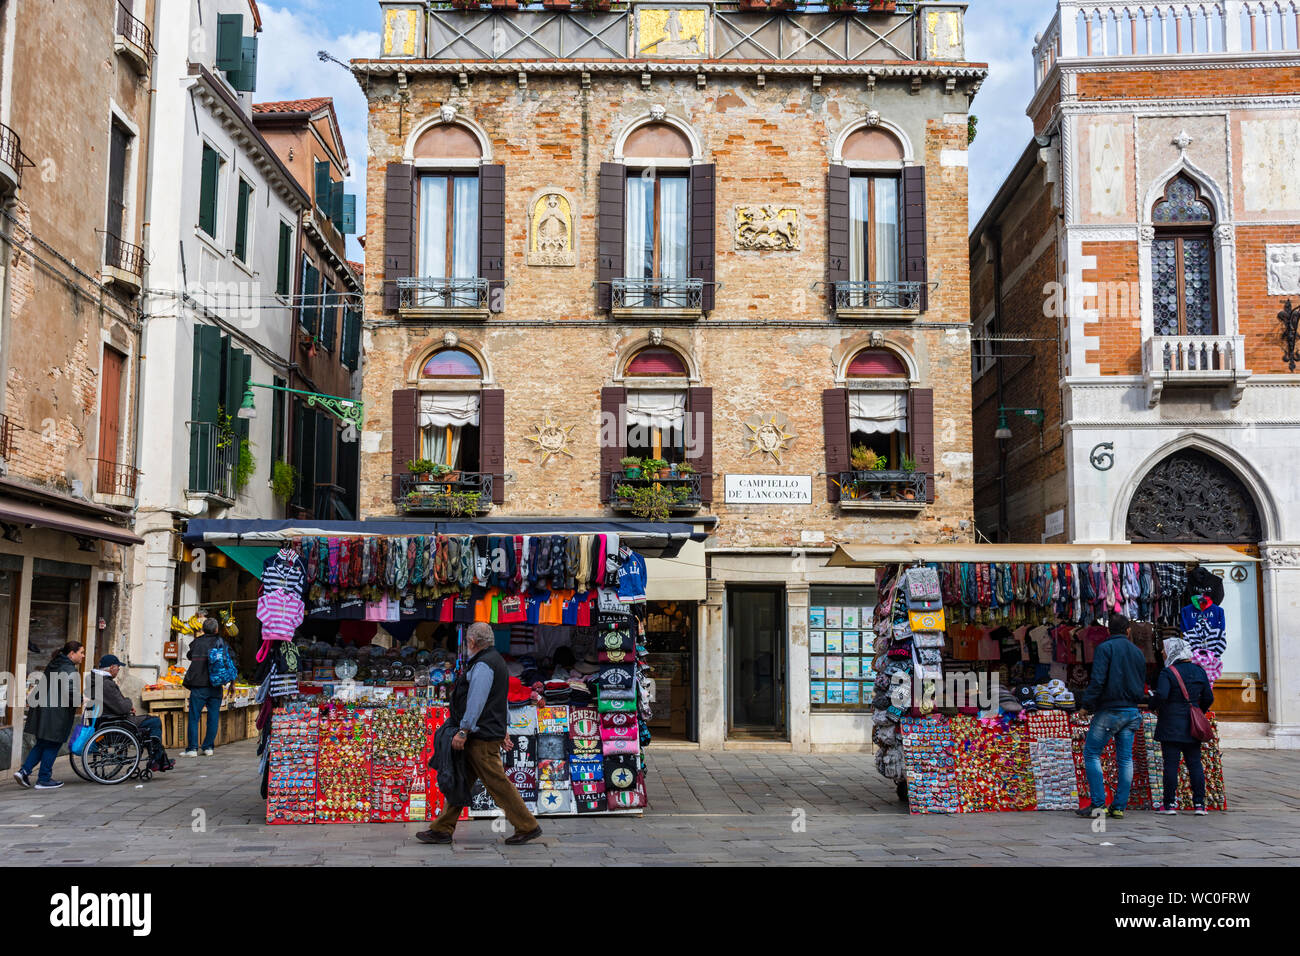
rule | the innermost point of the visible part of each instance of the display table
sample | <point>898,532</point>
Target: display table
<point>170,705</point>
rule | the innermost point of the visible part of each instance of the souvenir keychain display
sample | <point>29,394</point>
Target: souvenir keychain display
<point>291,779</point>
<point>344,788</point>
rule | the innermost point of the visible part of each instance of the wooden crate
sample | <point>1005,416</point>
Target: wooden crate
<point>237,723</point>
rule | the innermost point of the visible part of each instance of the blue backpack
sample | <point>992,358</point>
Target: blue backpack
<point>221,665</point>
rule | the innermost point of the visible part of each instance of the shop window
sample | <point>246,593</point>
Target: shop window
<point>8,608</point>
<point>878,414</point>
<point>1182,261</point>
<point>841,645</point>
<point>57,615</point>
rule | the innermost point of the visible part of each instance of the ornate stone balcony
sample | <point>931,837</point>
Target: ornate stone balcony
<point>1200,361</point>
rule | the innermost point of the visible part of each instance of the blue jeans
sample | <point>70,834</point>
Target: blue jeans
<point>43,752</point>
<point>150,727</point>
<point>200,698</point>
<point>1121,724</point>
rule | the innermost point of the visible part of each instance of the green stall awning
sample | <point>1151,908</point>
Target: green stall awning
<point>247,556</point>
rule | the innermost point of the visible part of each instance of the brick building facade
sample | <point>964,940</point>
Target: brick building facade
<point>676,244</point>
<point>1127,282</point>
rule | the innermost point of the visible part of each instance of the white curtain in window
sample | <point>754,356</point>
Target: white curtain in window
<point>433,226</point>
<point>441,443</point>
<point>877,413</point>
<point>448,408</point>
<point>674,228</point>
<point>858,187</point>
<point>638,245</point>
<point>650,409</point>
<point>886,229</point>
<point>464,250</point>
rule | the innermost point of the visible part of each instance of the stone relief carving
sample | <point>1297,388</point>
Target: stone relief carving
<point>1106,169</point>
<point>1270,164</point>
<point>446,112</point>
<point>1282,558</point>
<point>551,439</point>
<point>770,226</point>
<point>552,230</point>
<point>401,31</point>
<point>1283,268</point>
<point>768,435</point>
<point>675,31</point>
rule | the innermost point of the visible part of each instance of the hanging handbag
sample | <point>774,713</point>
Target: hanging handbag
<point>81,736</point>
<point>1200,724</point>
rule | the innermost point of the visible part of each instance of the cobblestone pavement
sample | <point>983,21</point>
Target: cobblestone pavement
<point>735,808</point>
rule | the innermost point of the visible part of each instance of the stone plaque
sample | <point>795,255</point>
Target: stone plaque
<point>672,31</point>
<point>770,226</point>
<point>552,228</point>
<point>769,489</point>
<point>1283,263</point>
<point>401,30</point>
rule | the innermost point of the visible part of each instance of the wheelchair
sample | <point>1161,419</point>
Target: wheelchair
<point>116,752</point>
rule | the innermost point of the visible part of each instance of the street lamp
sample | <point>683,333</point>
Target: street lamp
<point>1003,432</point>
<point>347,410</point>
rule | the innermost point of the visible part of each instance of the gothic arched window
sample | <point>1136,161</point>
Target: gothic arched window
<point>1182,261</point>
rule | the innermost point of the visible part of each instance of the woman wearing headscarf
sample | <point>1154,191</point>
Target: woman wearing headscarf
<point>1174,723</point>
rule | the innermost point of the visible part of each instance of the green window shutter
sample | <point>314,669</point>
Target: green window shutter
<point>204,397</point>
<point>351,338</point>
<point>304,451</point>
<point>244,78</point>
<point>336,205</point>
<point>349,227</point>
<point>241,221</point>
<point>324,190</point>
<point>309,310</point>
<point>282,263</point>
<point>230,35</point>
<point>277,419</point>
<point>330,324</point>
<point>208,191</point>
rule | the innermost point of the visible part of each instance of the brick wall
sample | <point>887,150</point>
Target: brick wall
<point>1119,323</point>
<point>1187,84</point>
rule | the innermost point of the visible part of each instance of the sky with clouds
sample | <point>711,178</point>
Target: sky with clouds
<point>999,33</point>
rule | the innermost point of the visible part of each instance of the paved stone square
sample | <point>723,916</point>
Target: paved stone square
<point>739,808</point>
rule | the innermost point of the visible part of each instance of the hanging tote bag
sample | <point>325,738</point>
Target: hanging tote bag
<point>1200,724</point>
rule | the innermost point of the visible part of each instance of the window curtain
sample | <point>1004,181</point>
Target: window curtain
<point>449,408</point>
<point>858,189</point>
<point>464,250</point>
<point>441,443</point>
<point>433,227</point>
<point>674,228</point>
<point>639,232</point>
<point>886,229</point>
<point>877,413</point>
<point>651,409</point>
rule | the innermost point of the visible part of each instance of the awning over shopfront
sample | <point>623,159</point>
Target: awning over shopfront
<point>873,555</point>
<point>49,516</point>
<point>249,557</point>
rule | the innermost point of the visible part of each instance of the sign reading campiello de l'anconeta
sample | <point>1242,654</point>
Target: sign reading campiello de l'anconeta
<point>769,489</point>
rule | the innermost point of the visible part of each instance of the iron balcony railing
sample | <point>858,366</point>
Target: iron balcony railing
<point>878,295</point>
<point>684,489</point>
<point>863,486</point>
<point>11,152</point>
<point>124,256</point>
<point>213,455</point>
<point>469,492</point>
<point>436,292</point>
<point>133,29</point>
<point>630,293</point>
<point>8,437</point>
<point>115,478</point>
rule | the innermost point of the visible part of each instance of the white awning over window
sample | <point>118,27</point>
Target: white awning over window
<point>650,409</point>
<point>448,408</point>
<point>877,413</point>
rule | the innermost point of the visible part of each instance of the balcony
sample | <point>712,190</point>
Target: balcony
<point>878,300</point>
<point>114,482</point>
<point>123,263</point>
<point>656,298</point>
<point>11,160</point>
<point>213,456</point>
<point>438,297</point>
<point>654,498</point>
<point>8,440</point>
<point>468,494</point>
<point>132,39</point>
<point>1194,361</point>
<point>882,490</point>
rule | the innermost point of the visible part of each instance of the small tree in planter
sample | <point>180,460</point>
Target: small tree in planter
<point>631,466</point>
<point>284,480</point>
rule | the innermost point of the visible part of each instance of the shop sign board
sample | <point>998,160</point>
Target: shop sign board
<point>769,489</point>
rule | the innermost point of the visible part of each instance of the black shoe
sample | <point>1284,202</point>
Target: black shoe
<point>519,838</point>
<point>433,836</point>
<point>1091,810</point>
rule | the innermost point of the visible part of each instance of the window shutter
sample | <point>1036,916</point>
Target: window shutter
<point>612,436</point>
<point>837,230</point>
<point>609,236</point>
<point>703,219</point>
<point>208,191</point>
<point>349,218</point>
<point>330,325</point>
<point>914,252</point>
<point>230,36</point>
<point>205,396</point>
<point>245,376</point>
<point>277,421</point>
<point>232,385</point>
<point>304,453</point>
<point>492,440</point>
<point>351,338</point>
<point>492,232</point>
<point>835,433</point>
<point>324,193</point>
<point>244,77</point>
<point>241,221</point>
<point>920,422</point>
<point>405,401</point>
<point>310,308</point>
<point>285,256</point>
<point>699,409</point>
<point>399,228</point>
<point>323,472</point>
<point>336,205</point>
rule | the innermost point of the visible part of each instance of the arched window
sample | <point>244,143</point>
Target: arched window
<point>447,157</point>
<point>448,410</point>
<point>878,408</point>
<point>1192,498</point>
<point>658,362</point>
<point>1182,261</point>
<point>875,216</point>
<point>656,412</point>
<point>657,229</point>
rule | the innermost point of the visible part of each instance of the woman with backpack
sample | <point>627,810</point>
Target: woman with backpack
<point>50,718</point>
<point>205,679</point>
<point>1181,697</point>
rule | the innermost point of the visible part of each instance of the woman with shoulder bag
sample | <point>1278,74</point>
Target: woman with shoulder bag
<point>1181,697</point>
<point>51,715</point>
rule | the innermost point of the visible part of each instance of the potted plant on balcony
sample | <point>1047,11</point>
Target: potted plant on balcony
<point>557,4</point>
<point>591,6</point>
<point>656,468</point>
<point>465,4</point>
<point>841,6</point>
<point>462,504</point>
<point>651,502</point>
<point>631,466</point>
<point>909,492</point>
<point>424,469</point>
<point>684,470</point>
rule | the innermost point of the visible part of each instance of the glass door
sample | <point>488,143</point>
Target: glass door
<point>756,662</point>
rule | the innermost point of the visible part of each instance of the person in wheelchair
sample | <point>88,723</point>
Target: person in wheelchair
<point>116,707</point>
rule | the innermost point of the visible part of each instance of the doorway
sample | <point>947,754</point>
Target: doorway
<point>670,645</point>
<point>756,662</point>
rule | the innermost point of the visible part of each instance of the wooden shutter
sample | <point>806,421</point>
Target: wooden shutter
<point>324,191</point>
<point>920,425</point>
<point>492,233</point>
<point>405,402</point>
<point>613,440</point>
<point>914,255</point>
<point>310,303</point>
<point>285,257</point>
<point>119,140</point>
<point>351,338</point>
<point>399,228</point>
<point>241,221</point>
<point>699,408</point>
<point>330,326</point>
<point>835,434</point>
<point>837,230</point>
<point>208,191</point>
<point>110,413</point>
<point>277,422</point>
<point>492,440</point>
<point>244,79</point>
<point>703,219</point>
<point>349,221</point>
<point>336,204</point>
<point>230,37</point>
<point>245,376</point>
<point>609,233</point>
<point>205,396</point>
<point>304,453</point>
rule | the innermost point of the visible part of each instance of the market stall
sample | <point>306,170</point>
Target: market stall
<point>363,635</point>
<point>980,653</point>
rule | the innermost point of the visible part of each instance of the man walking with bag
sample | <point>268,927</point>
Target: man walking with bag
<point>478,708</point>
<point>1118,687</point>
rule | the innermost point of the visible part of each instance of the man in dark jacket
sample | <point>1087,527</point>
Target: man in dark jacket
<point>478,708</point>
<point>114,704</point>
<point>1174,725</point>
<point>51,710</point>
<point>203,696</point>
<point>1117,688</point>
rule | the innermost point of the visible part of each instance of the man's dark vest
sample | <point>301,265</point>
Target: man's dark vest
<point>492,722</point>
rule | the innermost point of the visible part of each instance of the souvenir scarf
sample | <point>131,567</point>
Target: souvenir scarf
<point>465,563</point>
